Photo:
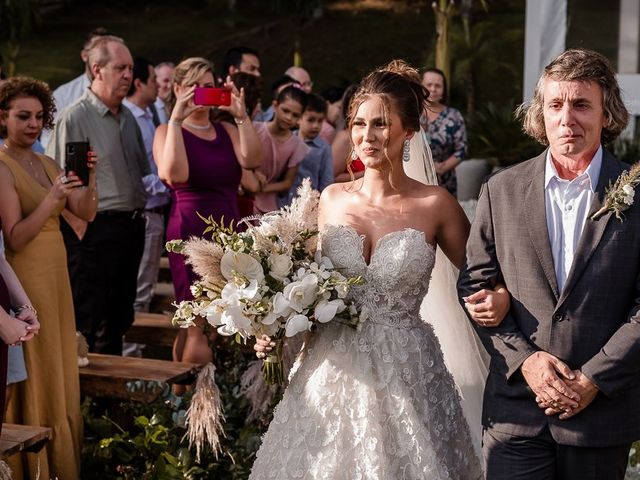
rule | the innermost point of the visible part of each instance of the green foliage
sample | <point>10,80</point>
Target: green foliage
<point>475,55</point>
<point>17,19</point>
<point>496,135</point>
<point>146,441</point>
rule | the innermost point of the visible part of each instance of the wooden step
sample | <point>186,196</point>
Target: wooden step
<point>108,376</point>
<point>164,289</point>
<point>152,329</point>
<point>164,275</point>
<point>22,438</point>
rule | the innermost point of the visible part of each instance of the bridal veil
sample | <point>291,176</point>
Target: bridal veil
<point>464,355</point>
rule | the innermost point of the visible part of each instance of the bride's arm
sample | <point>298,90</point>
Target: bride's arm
<point>452,228</point>
<point>486,307</point>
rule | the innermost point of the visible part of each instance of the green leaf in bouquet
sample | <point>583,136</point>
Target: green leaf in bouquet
<point>273,284</point>
<point>306,234</point>
<point>217,229</point>
<point>174,246</point>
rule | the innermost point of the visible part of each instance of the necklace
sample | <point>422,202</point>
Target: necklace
<point>5,145</point>
<point>35,173</point>
<point>198,127</point>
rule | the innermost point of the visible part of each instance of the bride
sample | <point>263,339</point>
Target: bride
<point>380,403</point>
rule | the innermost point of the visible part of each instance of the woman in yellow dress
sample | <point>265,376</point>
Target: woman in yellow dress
<point>33,193</point>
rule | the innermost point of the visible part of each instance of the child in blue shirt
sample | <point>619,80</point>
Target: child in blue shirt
<point>318,163</point>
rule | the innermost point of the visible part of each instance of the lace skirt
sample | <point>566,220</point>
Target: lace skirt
<point>378,404</point>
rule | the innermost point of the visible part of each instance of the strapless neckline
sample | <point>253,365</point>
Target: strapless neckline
<point>376,246</point>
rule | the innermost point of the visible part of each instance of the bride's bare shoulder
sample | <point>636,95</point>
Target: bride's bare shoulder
<point>433,193</point>
<point>435,198</point>
<point>336,192</point>
<point>336,201</point>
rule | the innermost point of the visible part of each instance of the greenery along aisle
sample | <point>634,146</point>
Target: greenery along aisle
<point>151,446</point>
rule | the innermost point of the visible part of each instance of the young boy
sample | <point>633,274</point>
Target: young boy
<point>318,163</point>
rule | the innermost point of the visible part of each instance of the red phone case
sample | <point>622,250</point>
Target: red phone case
<point>212,97</point>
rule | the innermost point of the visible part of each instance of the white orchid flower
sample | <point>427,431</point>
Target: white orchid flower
<point>269,319</point>
<point>251,291</point>
<point>234,321</point>
<point>296,324</point>
<point>214,312</point>
<point>322,260</point>
<point>239,263</point>
<point>281,305</point>
<point>303,293</point>
<point>326,311</point>
<point>272,329</point>
<point>230,294</point>
<point>320,270</point>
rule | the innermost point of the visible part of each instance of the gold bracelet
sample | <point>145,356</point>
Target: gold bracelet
<point>178,123</point>
<point>241,121</point>
<point>26,306</point>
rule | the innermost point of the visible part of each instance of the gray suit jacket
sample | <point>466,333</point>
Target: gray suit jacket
<point>593,324</point>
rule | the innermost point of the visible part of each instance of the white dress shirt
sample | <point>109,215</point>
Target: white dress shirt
<point>567,204</point>
<point>160,109</point>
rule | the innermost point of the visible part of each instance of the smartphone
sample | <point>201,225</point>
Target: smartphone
<point>212,97</point>
<point>75,159</point>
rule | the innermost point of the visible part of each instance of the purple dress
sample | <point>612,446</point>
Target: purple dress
<point>212,189</point>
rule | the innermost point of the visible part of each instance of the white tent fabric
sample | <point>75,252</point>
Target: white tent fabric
<point>545,34</point>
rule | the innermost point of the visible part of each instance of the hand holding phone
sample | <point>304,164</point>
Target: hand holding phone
<point>212,97</point>
<point>76,158</point>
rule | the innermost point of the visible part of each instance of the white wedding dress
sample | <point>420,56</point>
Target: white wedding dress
<point>375,404</point>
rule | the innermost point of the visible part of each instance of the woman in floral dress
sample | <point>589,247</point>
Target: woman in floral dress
<point>446,130</point>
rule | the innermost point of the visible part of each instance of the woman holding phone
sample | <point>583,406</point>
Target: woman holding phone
<point>201,160</point>
<point>33,193</point>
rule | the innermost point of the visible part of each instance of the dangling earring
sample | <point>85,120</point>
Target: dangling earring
<point>354,155</point>
<point>405,150</point>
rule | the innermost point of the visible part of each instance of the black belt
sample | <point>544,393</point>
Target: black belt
<point>126,214</point>
<point>161,209</point>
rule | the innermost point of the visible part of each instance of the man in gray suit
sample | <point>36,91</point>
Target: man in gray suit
<point>562,399</point>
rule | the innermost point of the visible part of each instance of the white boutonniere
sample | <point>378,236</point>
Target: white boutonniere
<point>620,195</point>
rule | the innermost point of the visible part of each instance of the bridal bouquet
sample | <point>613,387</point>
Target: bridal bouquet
<point>269,279</point>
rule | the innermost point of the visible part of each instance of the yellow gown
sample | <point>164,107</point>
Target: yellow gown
<point>51,394</point>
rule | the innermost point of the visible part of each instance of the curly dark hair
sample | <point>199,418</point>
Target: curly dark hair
<point>27,87</point>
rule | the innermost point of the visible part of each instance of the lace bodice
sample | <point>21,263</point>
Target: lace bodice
<point>396,279</point>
